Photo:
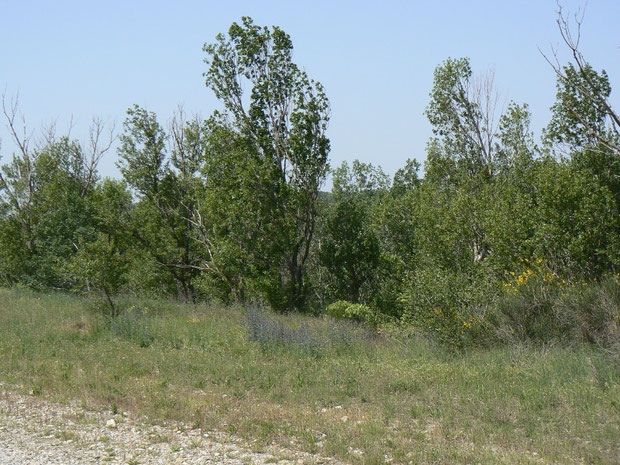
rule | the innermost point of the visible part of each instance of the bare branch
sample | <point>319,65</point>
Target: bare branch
<point>10,114</point>
<point>48,133</point>
<point>571,36</point>
<point>22,142</point>
<point>100,141</point>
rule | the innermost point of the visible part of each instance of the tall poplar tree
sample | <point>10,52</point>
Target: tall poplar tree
<point>280,116</point>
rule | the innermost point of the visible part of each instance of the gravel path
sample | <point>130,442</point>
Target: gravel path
<point>34,431</point>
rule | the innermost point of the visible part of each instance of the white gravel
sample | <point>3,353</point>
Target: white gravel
<point>34,431</point>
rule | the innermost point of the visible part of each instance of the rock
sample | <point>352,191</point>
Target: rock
<point>101,439</point>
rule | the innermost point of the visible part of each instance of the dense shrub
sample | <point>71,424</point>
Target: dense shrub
<point>544,309</point>
<point>593,313</point>
<point>527,314</point>
<point>356,312</point>
<point>445,305</point>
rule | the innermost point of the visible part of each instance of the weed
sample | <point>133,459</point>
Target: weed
<point>159,438</point>
<point>311,335</point>
<point>68,436</point>
<point>131,324</point>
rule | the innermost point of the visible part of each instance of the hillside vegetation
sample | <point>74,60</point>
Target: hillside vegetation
<point>316,384</point>
<point>230,209</point>
<point>463,311</point>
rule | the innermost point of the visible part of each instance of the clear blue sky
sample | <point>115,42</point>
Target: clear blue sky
<point>375,59</point>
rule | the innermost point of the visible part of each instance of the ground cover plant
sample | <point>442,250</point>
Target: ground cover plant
<point>364,398</point>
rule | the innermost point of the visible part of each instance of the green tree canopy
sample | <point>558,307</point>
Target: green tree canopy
<point>282,120</point>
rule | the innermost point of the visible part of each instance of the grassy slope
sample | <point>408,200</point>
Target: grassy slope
<point>375,399</point>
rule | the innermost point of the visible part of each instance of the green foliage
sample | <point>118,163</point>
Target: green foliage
<point>45,204</point>
<point>396,220</point>
<point>406,178</point>
<point>282,135</point>
<point>101,263</point>
<point>362,180</point>
<point>142,153</point>
<point>240,256</point>
<point>14,256</point>
<point>577,225</point>
<point>445,304</point>
<point>349,250</point>
<point>165,179</point>
<point>461,114</point>
<point>580,112</point>
<point>230,209</point>
<point>350,311</point>
<point>349,256</point>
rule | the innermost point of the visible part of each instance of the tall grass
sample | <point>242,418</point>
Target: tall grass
<point>366,400</point>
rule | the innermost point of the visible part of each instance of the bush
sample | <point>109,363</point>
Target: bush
<point>541,309</point>
<point>526,313</point>
<point>593,312</point>
<point>355,312</point>
<point>446,305</point>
